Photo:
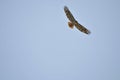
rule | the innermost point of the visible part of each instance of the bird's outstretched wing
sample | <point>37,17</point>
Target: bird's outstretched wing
<point>81,28</point>
<point>73,22</point>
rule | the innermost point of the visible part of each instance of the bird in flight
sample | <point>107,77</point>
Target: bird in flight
<point>73,22</point>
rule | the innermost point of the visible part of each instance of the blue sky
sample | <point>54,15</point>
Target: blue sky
<point>37,44</point>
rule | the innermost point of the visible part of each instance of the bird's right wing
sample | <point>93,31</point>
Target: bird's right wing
<point>81,28</point>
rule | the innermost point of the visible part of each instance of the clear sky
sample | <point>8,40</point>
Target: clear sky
<point>37,44</point>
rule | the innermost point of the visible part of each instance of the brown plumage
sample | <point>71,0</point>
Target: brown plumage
<point>73,22</point>
<point>71,25</point>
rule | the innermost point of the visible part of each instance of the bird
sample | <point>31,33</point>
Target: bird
<point>73,22</point>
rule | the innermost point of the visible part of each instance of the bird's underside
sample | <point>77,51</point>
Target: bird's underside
<point>73,22</point>
<point>71,25</point>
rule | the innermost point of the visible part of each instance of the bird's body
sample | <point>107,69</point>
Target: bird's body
<point>73,22</point>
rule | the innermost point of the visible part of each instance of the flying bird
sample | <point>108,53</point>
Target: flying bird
<point>73,22</point>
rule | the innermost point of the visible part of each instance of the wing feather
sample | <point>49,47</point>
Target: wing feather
<point>69,14</point>
<point>81,28</point>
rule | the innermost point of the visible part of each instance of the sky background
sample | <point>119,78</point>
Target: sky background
<point>37,44</point>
